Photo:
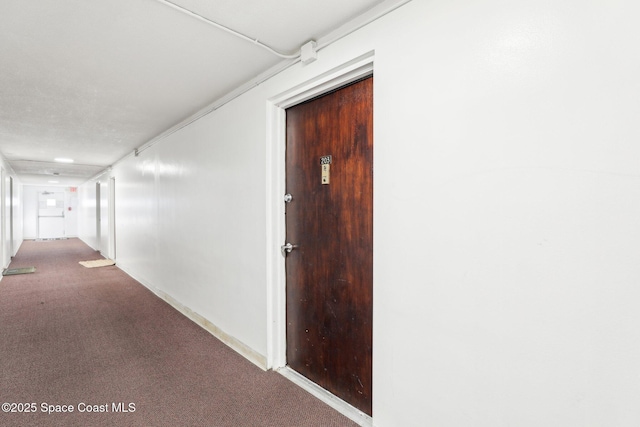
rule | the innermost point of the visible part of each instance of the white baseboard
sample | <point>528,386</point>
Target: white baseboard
<point>247,352</point>
<point>238,346</point>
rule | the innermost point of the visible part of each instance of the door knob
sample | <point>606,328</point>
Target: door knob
<point>287,248</point>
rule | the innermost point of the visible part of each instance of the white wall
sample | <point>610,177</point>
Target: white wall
<point>6,218</point>
<point>11,206</point>
<point>507,191</point>
<point>17,215</point>
<point>87,226</point>
<point>190,220</point>
<point>30,209</point>
<point>104,215</point>
<point>88,216</point>
<point>507,198</point>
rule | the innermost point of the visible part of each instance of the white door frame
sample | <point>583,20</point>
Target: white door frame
<point>276,278</point>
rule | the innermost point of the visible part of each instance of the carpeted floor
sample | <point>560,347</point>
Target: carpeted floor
<point>95,339</point>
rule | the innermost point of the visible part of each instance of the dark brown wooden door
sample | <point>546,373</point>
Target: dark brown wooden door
<point>330,269</point>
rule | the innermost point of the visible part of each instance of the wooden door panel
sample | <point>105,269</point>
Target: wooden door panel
<point>330,272</point>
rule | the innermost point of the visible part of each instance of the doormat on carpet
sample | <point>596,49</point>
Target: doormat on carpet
<point>23,270</point>
<point>97,263</point>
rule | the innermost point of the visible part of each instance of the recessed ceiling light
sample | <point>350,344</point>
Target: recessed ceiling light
<point>63,160</point>
<point>53,182</point>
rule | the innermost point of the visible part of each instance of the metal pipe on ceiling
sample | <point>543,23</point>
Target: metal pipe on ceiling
<point>384,8</point>
<point>230,30</point>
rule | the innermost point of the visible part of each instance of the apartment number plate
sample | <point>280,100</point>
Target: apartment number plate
<point>325,164</point>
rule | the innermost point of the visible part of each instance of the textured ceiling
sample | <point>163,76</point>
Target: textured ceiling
<point>93,80</point>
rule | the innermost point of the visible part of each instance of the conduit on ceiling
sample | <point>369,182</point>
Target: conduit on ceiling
<point>384,8</point>
<point>231,31</point>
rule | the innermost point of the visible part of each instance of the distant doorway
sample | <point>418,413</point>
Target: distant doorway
<point>51,215</point>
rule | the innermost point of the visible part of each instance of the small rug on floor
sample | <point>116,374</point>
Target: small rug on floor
<point>22,270</point>
<point>98,263</point>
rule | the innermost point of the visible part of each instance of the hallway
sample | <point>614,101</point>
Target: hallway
<point>95,339</point>
<point>505,204</point>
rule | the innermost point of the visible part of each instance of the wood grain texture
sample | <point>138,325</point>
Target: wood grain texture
<point>330,273</point>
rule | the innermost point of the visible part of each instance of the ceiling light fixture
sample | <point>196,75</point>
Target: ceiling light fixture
<point>63,160</point>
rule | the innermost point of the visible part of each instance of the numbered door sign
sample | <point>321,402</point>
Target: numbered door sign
<point>325,164</point>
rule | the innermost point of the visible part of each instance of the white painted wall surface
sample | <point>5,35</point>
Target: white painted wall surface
<point>11,205</point>
<point>6,212</point>
<point>17,215</point>
<point>87,217</point>
<point>507,198</point>
<point>30,210</point>
<point>10,239</point>
<point>104,216</point>
<point>190,220</point>
<point>506,204</point>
